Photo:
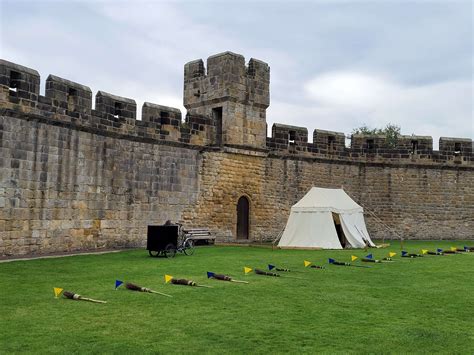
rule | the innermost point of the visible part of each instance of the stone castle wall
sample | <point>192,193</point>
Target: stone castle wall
<point>64,189</point>
<point>73,177</point>
<point>419,202</point>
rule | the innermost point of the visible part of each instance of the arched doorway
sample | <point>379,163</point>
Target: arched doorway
<point>243,218</point>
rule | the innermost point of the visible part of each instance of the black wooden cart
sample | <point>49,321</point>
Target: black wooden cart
<point>166,240</point>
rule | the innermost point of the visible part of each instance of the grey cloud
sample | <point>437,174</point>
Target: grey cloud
<point>138,49</point>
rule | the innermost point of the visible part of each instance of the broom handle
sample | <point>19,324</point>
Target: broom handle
<point>91,300</point>
<point>204,286</point>
<point>238,281</point>
<point>159,293</point>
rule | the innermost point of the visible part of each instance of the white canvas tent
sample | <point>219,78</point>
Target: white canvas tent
<point>319,216</point>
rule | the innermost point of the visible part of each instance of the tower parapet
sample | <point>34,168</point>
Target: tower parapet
<point>236,96</point>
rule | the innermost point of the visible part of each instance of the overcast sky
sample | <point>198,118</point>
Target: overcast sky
<point>335,65</point>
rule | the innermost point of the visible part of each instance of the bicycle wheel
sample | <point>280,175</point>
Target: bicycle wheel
<point>188,247</point>
<point>170,251</point>
<point>153,253</point>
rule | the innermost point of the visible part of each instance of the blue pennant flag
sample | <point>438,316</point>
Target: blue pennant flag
<point>118,283</point>
<point>370,256</point>
<point>439,250</point>
<point>270,267</point>
<point>466,248</point>
<point>331,261</point>
<point>210,274</point>
<point>404,252</point>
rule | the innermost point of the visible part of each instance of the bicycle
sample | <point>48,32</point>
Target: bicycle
<point>168,239</point>
<point>185,244</point>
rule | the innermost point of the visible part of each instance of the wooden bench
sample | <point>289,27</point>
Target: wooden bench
<point>201,235</point>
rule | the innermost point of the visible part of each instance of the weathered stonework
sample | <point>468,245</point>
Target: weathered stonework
<point>240,92</point>
<point>74,178</point>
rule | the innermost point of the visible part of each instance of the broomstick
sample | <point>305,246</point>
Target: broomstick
<point>340,263</point>
<point>187,283</point>
<point>367,260</point>
<point>75,296</point>
<point>433,253</point>
<point>316,267</point>
<point>226,278</point>
<point>134,287</point>
<point>280,269</point>
<point>410,255</point>
<point>261,272</point>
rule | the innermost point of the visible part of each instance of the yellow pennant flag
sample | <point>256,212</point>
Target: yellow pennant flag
<point>168,278</point>
<point>453,248</point>
<point>391,254</point>
<point>247,270</point>
<point>424,251</point>
<point>57,291</point>
<point>307,263</point>
<point>353,258</point>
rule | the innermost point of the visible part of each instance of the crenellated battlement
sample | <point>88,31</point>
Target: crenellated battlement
<point>70,102</point>
<point>408,149</point>
<point>226,106</point>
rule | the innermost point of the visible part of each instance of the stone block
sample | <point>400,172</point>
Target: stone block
<point>115,106</point>
<point>69,96</point>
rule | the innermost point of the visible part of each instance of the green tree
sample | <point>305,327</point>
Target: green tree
<point>391,132</point>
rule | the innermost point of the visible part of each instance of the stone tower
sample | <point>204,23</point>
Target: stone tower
<point>236,96</point>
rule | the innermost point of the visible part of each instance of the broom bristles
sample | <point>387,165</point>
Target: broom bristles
<point>183,282</point>
<point>70,295</point>
<point>77,297</point>
<point>222,277</point>
<point>133,287</point>
<point>260,272</point>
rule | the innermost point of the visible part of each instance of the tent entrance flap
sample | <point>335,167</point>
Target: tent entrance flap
<point>355,230</point>
<point>340,233</point>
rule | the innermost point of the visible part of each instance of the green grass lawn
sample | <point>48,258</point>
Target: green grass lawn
<point>411,305</point>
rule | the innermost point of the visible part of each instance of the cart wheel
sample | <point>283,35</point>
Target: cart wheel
<point>170,251</point>
<point>188,247</point>
<point>153,253</point>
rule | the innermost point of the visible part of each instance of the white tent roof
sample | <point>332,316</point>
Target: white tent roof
<point>333,200</point>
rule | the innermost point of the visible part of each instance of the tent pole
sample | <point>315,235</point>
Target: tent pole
<point>277,238</point>
<point>384,225</point>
